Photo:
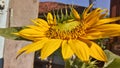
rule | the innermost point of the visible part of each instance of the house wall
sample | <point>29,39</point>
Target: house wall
<point>115,12</point>
<point>3,19</point>
<point>19,14</point>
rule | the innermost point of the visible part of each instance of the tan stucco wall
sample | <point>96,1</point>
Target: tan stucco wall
<point>19,14</point>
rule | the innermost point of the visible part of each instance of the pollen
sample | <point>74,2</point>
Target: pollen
<point>75,33</point>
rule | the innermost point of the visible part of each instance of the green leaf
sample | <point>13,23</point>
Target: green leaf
<point>8,32</point>
<point>113,60</point>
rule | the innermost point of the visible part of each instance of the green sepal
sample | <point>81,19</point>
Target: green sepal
<point>8,32</point>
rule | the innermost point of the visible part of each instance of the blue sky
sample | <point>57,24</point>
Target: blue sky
<point>98,3</point>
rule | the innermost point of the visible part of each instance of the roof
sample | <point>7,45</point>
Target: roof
<point>45,7</point>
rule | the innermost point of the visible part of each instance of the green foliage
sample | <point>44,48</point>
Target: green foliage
<point>8,32</point>
<point>113,60</point>
<point>77,63</point>
<point>102,42</point>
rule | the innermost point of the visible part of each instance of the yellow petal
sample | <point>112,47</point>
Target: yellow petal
<point>37,46</point>
<point>50,18</point>
<point>80,49</point>
<point>104,14</point>
<point>93,17</point>
<point>31,32</point>
<point>97,53</point>
<point>50,46</point>
<point>66,50</point>
<point>55,20</point>
<point>108,34</point>
<point>93,14</point>
<point>99,35</point>
<point>32,47</point>
<point>100,29</point>
<point>41,23</point>
<point>94,37</point>
<point>16,34</point>
<point>75,13</point>
<point>91,22</point>
<point>25,48</point>
<point>103,31</point>
<point>107,20</point>
<point>37,28</point>
<point>107,27</point>
<point>95,33</point>
<point>34,38</point>
<point>86,11</point>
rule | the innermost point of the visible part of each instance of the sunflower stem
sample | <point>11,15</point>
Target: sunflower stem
<point>67,64</point>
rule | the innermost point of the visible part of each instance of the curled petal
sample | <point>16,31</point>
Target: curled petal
<point>55,20</point>
<point>107,20</point>
<point>40,22</point>
<point>32,47</point>
<point>75,13</point>
<point>50,18</point>
<point>25,48</point>
<point>37,46</point>
<point>86,11</point>
<point>106,27</point>
<point>104,14</point>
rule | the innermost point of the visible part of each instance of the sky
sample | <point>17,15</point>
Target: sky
<point>98,3</point>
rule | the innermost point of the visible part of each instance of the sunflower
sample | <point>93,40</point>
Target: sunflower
<point>74,35</point>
